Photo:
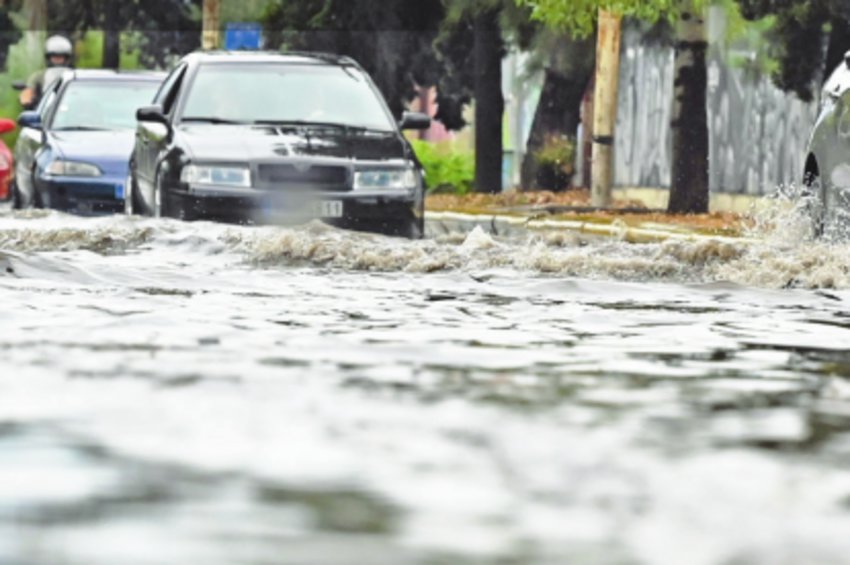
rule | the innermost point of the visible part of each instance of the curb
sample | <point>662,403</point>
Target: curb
<point>442,223</point>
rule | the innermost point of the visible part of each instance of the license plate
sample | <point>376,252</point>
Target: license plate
<point>119,192</point>
<point>328,208</point>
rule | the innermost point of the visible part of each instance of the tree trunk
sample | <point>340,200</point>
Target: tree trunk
<point>489,102</point>
<point>689,193</point>
<point>35,33</point>
<point>36,15</point>
<point>558,114</point>
<point>605,106</point>
<point>586,141</point>
<point>111,39</point>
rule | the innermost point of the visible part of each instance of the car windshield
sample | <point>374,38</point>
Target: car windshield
<point>102,105</point>
<point>280,93</point>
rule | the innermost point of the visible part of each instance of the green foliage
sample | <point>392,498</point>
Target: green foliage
<point>446,170</point>
<point>579,16</point>
<point>88,51</point>
<point>455,50</point>
<point>746,43</point>
<point>243,10</point>
<point>797,33</point>
<point>164,29</point>
<point>25,56</point>
<point>9,32</point>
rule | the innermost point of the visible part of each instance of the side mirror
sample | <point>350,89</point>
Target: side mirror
<point>414,120</point>
<point>19,85</point>
<point>153,114</point>
<point>30,119</point>
<point>7,125</point>
<point>847,59</point>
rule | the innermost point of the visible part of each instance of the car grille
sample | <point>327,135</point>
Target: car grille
<point>319,177</point>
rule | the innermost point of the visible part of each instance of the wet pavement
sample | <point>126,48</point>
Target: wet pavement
<point>200,393</point>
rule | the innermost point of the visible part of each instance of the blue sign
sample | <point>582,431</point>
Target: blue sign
<point>243,37</point>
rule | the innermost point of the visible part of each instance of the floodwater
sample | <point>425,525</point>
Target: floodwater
<point>178,393</point>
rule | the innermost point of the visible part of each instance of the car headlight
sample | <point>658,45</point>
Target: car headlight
<point>385,179</point>
<point>215,175</point>
<point>62,168</point>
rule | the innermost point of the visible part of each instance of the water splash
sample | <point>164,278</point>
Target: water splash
<point>783,250</point>
<point>777,252</point>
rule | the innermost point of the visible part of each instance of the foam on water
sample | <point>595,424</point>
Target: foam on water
<point>777,252</point>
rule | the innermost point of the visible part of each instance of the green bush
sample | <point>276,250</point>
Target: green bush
<point>555,161</point>
<point>446,170</point>
<point>557,152</point>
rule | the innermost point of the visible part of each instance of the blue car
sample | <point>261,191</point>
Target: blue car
<point>73,151</point>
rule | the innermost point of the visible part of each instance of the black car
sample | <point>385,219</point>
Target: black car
<point>269,137</point>
<point>74,149</point>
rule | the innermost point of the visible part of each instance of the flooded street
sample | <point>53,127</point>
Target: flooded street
<point>197,393</point>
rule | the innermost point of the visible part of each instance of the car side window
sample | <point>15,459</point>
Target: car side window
<point>166,85</point>
<point>168,93</point>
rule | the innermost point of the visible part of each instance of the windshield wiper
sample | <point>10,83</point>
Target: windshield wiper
<point>80,128</point>
<point>211,120</point>
<point>312,124</point>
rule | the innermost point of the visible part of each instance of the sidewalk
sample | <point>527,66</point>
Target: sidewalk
<point>513,213</point>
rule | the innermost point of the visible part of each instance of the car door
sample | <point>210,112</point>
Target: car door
<point>151,138</point>
<point>832,135</point>
<point>30,143</point>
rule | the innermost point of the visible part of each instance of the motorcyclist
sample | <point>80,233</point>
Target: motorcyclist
<point>59,54</point>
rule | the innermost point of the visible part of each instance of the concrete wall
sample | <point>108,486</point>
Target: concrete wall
<point>758,133</point>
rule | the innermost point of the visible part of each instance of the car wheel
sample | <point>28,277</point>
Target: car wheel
<point>131,197</point>
<point>416,228</point>
<point>17,200</point>
<point>170,206</point>
<point>37,201</point>
<point>160,204</point>
<point>815,205</point>
<point>410,228</point>
<point>128,196</point>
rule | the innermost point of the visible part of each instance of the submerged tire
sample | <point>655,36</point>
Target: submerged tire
<point>159,206</point>
<point>171,206</point>
<point>131,203</point>
<point>815,207</point>
<point>17,201</point>
<point>410,228</point>
<point>20,203</point>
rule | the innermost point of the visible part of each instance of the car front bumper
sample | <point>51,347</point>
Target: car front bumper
<point>279,206</point>
<point>95,195</point>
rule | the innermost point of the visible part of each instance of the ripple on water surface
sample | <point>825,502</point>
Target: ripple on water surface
<point>202,393</point>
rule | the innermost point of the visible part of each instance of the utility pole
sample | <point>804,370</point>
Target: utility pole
<point>605,106</point>
<point>211,38</point>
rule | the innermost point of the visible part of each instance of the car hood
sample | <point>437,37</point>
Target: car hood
<point>109,150</point>
<point>227,143</point>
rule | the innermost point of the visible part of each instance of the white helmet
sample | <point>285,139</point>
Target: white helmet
<point>58,45</point>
